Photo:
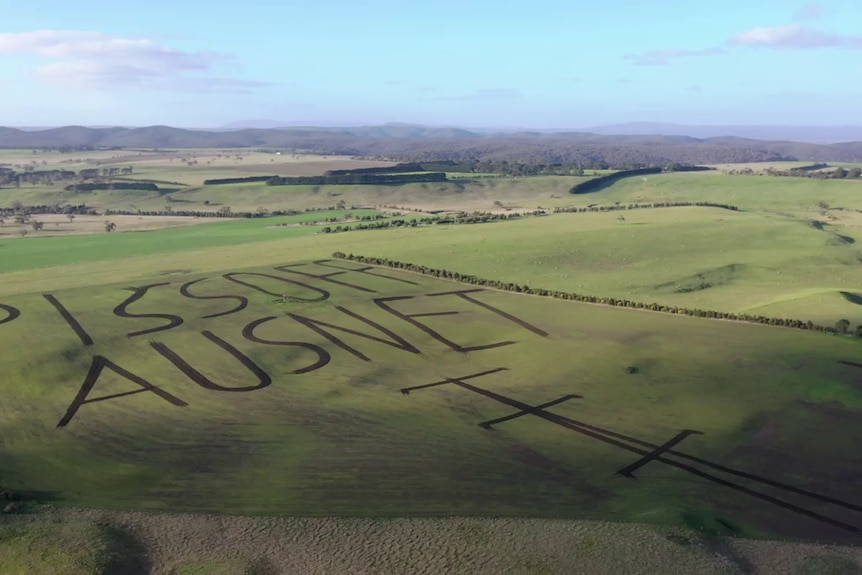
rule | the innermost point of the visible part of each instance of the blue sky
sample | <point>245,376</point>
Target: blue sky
<point>477,63</point>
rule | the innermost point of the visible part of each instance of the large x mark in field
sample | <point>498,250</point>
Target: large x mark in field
<point>649,451</point>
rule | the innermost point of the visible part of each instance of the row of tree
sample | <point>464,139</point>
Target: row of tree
<point>18,208</point>
<point>91,187</point>
<point>842,326</point>
<point>222,212</point>
<point>32,176</point>
<point>242,180</point>
<point>817,171</point>
<point>358,179</point>
<point>461,218</point>
<point>604,181</point>
<point>361,178</point>
<point>616,207</point>
<point>347,216</point>
<point>396,169</point>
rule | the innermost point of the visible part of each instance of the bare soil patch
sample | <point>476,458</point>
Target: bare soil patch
<point>167,543</point>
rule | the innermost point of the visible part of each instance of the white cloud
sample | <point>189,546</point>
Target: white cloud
<point>794,36</point>
<point>663,57</point>
<point>96,60</point>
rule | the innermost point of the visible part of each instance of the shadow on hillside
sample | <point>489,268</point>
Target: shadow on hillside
<point>852,297</point>
<point>128,555</point>
<point>37,496</point>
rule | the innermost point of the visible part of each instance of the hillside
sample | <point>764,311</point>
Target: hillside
<point>419,143</point>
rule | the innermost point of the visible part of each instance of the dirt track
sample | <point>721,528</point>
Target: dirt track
<point>163,544</point>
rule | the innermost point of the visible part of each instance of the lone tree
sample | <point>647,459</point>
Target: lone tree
<point>71,217</point>
<point>22,232</point>
<point>37,225</point>
<point>110,226</point>
<point>842,325</point>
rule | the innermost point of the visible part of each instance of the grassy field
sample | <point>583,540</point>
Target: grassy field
<point>694,257</point>
<point>181,185</point>
<point>323,431</point>
<point>302,414</point>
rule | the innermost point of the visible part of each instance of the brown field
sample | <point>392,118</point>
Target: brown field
<point>188,167</point>
<point>184,543</point>
<point>59,224</point>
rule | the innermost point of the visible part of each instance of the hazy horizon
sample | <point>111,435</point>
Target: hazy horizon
<point>546,65</point>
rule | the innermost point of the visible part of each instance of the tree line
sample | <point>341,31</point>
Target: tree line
<point>841,327</point>
<point>222,212</point>
<point>398,168</point>
<point>817,171</point>
<point>243,180</point>
<point>91,187</point>
<point>461,218</point>
<point>19,209</point>
<point>466,218</point>
<point>358,179</point>
<point>30,175</point>
<point>347,216</point>
<point>604,181</point>
<point>615,207</point>
<point>334,180</point>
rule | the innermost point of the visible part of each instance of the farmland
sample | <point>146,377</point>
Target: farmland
<point>221,368</point>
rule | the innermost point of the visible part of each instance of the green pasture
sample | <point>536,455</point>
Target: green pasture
<point>342,440</point>
<point>797,197</point>
<point>63,250</point>
<point>694,257</point>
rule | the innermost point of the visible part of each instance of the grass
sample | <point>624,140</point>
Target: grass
<point>41,252</point>
<point>796,197</point>
<point>342,441</point>
<point>84,547</point>
<point>693,257</point>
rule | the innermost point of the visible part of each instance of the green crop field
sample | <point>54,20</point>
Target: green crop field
<point>233,368</point>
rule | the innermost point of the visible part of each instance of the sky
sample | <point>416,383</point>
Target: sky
<point>542,64</point>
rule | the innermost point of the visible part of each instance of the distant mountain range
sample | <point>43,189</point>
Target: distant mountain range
<point>803,134</point>
<point>622,144</point>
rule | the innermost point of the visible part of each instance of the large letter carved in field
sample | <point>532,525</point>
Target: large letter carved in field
<point>323,356</point>
<point>463,295</point>
<point>263,378</point>
<point>140,292</point>
<point>11,313</point>
<point>70,319</point>
<point>327,277</point>
<point>243,301</point>
<point>322,293</point>
<point>99,363</point>
<point>383,302</point>
<point>394,340</point>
